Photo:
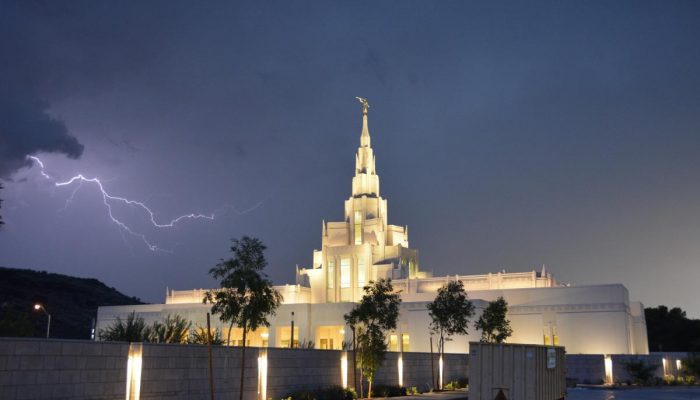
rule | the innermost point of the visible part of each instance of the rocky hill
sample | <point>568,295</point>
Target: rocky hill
<point>71,301</point>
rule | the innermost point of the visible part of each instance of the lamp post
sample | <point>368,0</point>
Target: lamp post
<point>291,342</point>
<point>48,323</point>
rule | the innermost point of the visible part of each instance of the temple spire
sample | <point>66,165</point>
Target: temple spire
<point>364,137</point>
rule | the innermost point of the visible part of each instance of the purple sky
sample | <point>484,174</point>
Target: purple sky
<point>508,135</point>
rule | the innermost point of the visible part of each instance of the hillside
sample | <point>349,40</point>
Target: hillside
<point>72,303</point>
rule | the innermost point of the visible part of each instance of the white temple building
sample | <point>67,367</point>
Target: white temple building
<point>595,319</point>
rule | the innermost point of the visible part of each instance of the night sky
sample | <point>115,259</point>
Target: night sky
<point>508,135</point>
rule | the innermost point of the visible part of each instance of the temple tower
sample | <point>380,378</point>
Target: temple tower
<point>362,247</point>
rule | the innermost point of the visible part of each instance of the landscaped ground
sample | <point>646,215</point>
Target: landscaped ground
<point>674,393</point>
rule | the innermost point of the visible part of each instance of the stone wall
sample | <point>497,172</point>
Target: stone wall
<point>62,369</point>
<point>590,368</point>
<point>73,369</point>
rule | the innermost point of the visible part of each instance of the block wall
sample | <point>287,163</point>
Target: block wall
<point>72,369</point>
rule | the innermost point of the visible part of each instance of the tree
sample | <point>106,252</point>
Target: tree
<point>173,329</point>
<point>494,326</point>
<point>671,329</point>
<point>450,313</point>
<point>14,323</point>
<point>377,312</point>
<point>134,329</point>
<point>246,297</point>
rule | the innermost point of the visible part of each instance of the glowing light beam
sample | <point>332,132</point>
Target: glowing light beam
<point>108,199</point>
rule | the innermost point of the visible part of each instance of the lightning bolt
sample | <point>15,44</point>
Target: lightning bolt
<point>108,199</point>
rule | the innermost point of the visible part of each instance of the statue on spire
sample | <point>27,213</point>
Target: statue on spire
<point>365,104</point>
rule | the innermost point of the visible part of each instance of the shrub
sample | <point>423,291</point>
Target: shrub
<point>412,391</point>
<point>691,365</point>
<point>134,329</point>
<point>640,371</point>
<point>388,391</point>
<point>328,393</point>
<point>199,336</point>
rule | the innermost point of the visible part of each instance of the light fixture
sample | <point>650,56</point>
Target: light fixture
<point>608,369</point>
<point>262,374</point>
<point>344,369</point>
<point>38,307</point>
<point>133,371</point>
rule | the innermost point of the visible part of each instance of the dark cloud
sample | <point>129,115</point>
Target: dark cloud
<point>26,128</point>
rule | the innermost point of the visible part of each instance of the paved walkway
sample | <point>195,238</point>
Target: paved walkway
<point>447,395</point>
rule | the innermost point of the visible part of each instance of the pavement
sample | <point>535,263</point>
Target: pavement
<point>447,395</point>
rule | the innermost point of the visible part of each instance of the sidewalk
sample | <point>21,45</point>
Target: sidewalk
<point>448,395</point>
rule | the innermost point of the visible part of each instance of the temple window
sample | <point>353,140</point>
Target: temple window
<point>331,274</point>
<point>361,273</point>
<point>393,343</point>
<point>358,227</point>
<point>405,342</point>
<point>345,273</point>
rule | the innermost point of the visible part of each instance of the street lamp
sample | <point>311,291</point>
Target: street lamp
<point>48,323</point>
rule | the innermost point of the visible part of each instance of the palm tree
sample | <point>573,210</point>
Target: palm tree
<point>134,329</point>
<point>246,297</point>
<point>199,336</point>
<point>174,329</point>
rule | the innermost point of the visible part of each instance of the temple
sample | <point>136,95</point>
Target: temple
<point>595,319</point>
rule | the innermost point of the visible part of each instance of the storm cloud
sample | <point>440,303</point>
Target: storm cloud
<point>507,135</point>
<point>26,128</point>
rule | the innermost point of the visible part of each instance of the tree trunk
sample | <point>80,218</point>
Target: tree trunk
<point>362,381</point>
<point>354,361</point>
<point>442,352</point>
<point>432,361</point>
<point>369,389</point>
<point>245,333</point>
<point>228,337</point>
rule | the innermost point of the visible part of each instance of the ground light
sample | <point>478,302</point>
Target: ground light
<point>440,367</point>
<point>133,371</point>
<point>344,369</point>
<point>400,366</point>
<point>608,369</point>
<point>262,374</point>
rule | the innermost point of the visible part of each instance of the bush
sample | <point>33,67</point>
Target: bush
<point>388,391</point>
<point>328,393</point>
<point>459,383</point>
<point>640,371</point>
<point>412,391</point>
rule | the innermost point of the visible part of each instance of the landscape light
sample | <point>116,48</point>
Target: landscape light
<point>441,365</point>
<point>344,369</point>
<point>608,369</point>
<point>133,371</point>
<point>262,374</point>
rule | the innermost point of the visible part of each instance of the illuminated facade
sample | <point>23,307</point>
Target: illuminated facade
<point>363,246</point>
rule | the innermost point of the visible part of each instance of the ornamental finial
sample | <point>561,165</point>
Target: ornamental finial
<point>365,104</point>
